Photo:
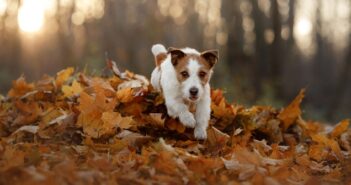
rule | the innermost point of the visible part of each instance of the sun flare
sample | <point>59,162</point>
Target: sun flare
<point>31,16</point>
<point>303,27</point>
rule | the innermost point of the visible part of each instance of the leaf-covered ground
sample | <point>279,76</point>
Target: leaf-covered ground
<point>79,129</point>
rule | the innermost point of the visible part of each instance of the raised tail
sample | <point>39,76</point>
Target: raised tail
<point>158,49</point>
<point>159,52</point>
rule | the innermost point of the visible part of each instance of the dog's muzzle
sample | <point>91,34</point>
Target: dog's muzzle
<point>193,93</point>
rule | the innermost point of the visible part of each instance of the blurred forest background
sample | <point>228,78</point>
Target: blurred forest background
<point>269,49</point>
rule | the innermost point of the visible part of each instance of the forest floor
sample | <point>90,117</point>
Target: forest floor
<point>75,128</point>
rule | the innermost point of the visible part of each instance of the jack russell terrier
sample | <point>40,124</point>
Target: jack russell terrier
<point>183,76</point>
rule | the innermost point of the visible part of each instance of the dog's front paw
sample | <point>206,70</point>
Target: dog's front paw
<point>172,113</point>
<point>187,119</point>
<point>200,133</point>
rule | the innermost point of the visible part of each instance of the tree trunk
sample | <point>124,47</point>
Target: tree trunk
<point>276,51</point>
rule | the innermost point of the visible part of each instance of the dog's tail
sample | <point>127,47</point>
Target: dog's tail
<point>158,49</point>
<point>159,52</point>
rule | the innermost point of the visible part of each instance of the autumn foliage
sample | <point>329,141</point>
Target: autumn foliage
<point>79,129</point>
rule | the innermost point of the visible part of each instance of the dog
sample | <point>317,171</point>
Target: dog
<point>183,76</point>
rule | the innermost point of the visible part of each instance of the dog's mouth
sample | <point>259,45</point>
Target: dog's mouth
<point>193,98</point>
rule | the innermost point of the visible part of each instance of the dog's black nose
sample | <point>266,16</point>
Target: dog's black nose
<point>193,91</point>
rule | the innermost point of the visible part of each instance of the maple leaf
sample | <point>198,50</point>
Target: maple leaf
<point>29,112</point>
<point>20,87</point>
<point>289,114</point>
<point>114,119</point>
<point>72,90</point>
<point>90,129</point>
<point>63,76</point>
<point>97,117</point>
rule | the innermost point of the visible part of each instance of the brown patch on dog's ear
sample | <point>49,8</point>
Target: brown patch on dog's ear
<point>211,57</point>
<point>176,54</point>
<point>160,58</point>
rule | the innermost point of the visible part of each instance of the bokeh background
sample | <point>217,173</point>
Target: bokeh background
<point>269,49</point>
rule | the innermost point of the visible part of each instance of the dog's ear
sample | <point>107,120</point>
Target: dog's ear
<point>211,56</point>
<point>176,54</point>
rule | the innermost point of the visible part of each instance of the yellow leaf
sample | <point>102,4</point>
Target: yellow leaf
<point>289,114</point>
<point>72,90</point>
<point>103,124</point>
<point>91,124</point>
<point>63,76</point>
<point>114,119</point>
<point>340,128</point>
<point>110,122</point>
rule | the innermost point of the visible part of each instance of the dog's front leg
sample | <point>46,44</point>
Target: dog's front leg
<point>176,108</point>
<point>203,115</point>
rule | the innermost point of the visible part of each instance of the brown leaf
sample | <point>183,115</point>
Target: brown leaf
<point>289,114</point>
<point>216,138</point>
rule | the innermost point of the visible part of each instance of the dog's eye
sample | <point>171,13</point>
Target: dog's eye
<point>185,74</point>
<point>202,74</point>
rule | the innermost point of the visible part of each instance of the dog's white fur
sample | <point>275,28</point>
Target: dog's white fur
<point>164,78</point>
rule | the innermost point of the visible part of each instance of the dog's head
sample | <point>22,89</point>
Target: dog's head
<point>193,69</point>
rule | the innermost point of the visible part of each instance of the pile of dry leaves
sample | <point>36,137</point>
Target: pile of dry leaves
<point>80,129</point>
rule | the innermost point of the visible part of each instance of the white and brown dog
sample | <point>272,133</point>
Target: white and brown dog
<point>183,76</point>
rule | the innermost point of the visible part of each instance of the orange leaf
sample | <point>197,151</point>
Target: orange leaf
<point>86,103</point>
<point>317,152</point>
<point>20,87</point>
<point>323,139</point>
<point>340,128</point>
<point>289,114</point>
<point>173,124</point>
<point>125,95</point>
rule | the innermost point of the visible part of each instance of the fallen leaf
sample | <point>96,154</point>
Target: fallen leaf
<point>340,128</point>
<point>289,114</point>
<point>173,124</point>
<point>125,95</point>
<point>20,87</point>
<point>63,76</point>
<point>216,138</point>
<point>74,89</point>
<point>28,128</point>
<point>327,142</point>
<point>113,66</point>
